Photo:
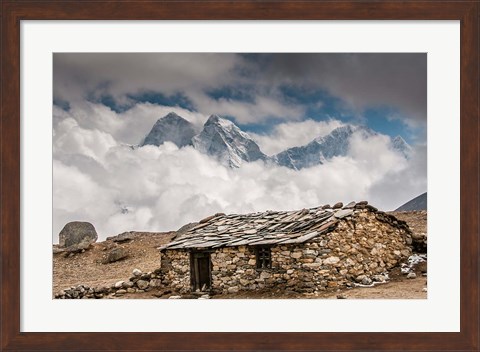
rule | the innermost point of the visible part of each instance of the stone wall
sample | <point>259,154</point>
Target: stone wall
<point>138,282</point>
<point>360,249</point>
<point>175,266</point>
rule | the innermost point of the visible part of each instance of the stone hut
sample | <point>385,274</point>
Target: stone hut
<point>304,251</point>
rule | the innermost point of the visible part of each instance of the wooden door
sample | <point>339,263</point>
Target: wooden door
<point>201,271</point>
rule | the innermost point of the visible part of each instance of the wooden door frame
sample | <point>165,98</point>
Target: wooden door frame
<point>194,272</point>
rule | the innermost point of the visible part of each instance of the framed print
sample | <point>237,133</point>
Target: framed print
<point>211,151</point>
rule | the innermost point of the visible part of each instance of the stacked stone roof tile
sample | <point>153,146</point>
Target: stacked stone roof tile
<point>270,227</point>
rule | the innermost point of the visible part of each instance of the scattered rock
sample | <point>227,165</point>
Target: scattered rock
<point>411,276</point>
<point>123,237</point>
<point>338,205</point>
<point>341,297</point>
<point>155,283</point>
<point>115,254</point>
<point>233,289</point>
<point>379,278</point>
<point>77,248</point>
<point>127,284</point>
<point>145,276</point>
<point>360,278</point>
<point>118,284</point>
<point>174,297</point>
<point>142,284</point>
<point>422,267</point>
<point>366,281</point>
<point>136,272</point>
<point>57,249</point>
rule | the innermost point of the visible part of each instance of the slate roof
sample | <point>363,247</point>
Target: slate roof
<point>264,228</point>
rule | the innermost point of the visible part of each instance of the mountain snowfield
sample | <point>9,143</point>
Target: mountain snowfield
<point>230,146</point>
<point>171,128</point>
<point>223,140</point>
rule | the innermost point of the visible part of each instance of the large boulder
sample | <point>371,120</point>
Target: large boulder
<point>77,234</point>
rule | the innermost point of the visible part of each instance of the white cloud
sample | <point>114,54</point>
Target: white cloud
<point>71,139</point>
<point>402,185</point>
<point>293,134</point>
<point>129,127</point>
<point>245,112</point>
<point>165,187</point>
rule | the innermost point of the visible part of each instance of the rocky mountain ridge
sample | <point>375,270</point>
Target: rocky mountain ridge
<point>221,139</point>
<point>417,203</point>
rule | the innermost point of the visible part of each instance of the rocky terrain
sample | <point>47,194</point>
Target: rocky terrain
<point>417,221</point>
<point>93,268</point>
<point>130,272</point>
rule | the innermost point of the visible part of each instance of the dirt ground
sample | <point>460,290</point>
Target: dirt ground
<point>417,220</point>
<point>87,268</point>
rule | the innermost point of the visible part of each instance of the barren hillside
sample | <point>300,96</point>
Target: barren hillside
<point>87,267</point>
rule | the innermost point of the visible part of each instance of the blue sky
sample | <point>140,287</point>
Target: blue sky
<point>319,105</point>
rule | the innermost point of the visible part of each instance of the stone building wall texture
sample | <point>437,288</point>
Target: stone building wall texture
<point>360,246</point>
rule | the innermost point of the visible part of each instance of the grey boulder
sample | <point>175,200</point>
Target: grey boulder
<point>77,234</point>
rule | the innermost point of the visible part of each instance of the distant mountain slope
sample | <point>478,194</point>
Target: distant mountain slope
<point>223,140</point>
<point>417,203</point>
<point>399,144</point>
<point>171,128</point>
<point>320,149</point>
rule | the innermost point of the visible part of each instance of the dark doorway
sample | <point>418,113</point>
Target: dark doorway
<point>200,271</point>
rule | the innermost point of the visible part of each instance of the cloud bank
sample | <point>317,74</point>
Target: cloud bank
<point>97,178</point>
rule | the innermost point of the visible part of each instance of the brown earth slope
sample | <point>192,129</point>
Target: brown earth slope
<point>417,220</point>
<point>87,268</point>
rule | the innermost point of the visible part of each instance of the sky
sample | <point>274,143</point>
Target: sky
<point>103,102</point>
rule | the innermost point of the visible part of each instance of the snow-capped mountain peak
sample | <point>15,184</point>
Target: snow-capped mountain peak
<point>171,128</point>
<point>225,141</point>
<point>336,143</point>
<point>399,144</point>
<point>221,139</point>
